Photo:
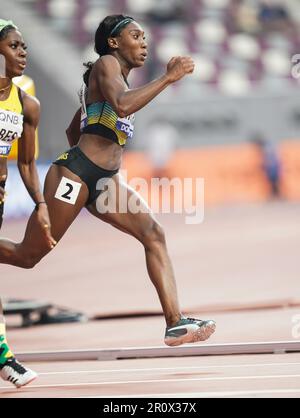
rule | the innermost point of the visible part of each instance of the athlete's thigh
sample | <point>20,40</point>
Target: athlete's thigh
<point>65,195</point>
<point>132,215</point>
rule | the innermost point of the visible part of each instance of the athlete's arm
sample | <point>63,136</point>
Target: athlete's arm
<point>26,149</point>
<point>73,131</point>
<point>2,191</point>
<point>27,165</point>
<point>126,102</point>
<point>2,194</point>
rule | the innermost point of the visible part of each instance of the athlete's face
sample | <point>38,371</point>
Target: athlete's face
<point>14,52</point>
<point>132,45</point>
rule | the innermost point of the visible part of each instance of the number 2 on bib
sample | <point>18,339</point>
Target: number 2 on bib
<point>68,191</point>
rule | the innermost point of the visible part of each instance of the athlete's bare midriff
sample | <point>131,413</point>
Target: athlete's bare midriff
<point>102,151</point>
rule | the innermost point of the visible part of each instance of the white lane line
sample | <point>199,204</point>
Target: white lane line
<point>162,369</point>
<point>204,394</point>
<point>203,379</point>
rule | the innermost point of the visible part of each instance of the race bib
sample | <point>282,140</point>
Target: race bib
<point>68,190</point>
<point>125,125</point>
<point>5,150</point>
<point>11,128</point>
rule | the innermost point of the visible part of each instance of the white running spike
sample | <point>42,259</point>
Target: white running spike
<point>17,374</point>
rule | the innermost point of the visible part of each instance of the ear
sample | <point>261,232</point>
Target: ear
<point>113,43</point>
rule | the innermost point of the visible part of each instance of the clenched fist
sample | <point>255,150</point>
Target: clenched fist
<point>178,67</point>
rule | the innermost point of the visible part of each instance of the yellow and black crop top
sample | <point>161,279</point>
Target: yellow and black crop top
<point>11,120</point>
<point>100,119</point>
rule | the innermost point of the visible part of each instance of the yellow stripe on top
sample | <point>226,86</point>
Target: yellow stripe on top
<point>101,119</point>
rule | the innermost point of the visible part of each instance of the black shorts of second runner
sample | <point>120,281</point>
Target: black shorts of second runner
<point>2,184</point>
<point>77,162</point>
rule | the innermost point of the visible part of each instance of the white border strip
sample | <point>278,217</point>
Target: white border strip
<point>153,370</point>
<point>216,394</point>
<point>169,381</point>
<point>158,352</point>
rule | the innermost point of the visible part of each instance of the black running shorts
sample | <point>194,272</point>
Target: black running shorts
<point>77,162</point>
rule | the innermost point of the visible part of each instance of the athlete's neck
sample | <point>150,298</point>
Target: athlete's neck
<point>5,83</point>
<point>125,67</point>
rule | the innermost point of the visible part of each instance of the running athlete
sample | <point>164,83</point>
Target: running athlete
<point>19,117</point>
<point>107,122</point>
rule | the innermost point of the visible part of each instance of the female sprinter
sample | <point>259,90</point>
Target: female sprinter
<point>19,117</point>
<point>107,118</point>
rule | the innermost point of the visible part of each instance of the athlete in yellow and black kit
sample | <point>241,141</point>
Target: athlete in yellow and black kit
<point>19,117</point>
<point>106,114</point>
<point>11,128</point>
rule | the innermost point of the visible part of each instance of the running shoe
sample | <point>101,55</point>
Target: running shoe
<point>189,330</point>
<point>14,372</point>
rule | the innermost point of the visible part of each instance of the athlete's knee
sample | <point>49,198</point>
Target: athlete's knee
<point>28,260</point>
<point>27,263</point>
<point>154,234</point>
